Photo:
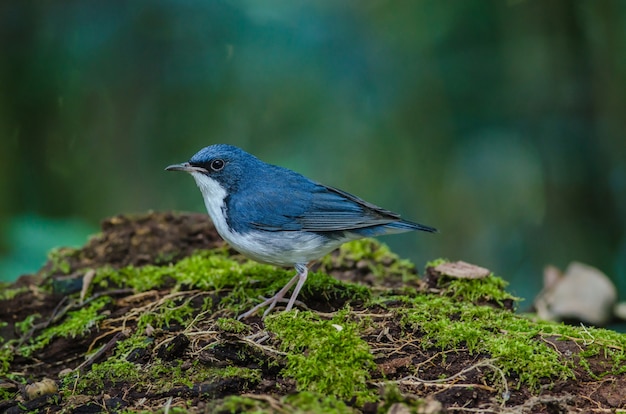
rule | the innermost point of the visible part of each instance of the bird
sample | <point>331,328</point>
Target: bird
<point>277,216</point>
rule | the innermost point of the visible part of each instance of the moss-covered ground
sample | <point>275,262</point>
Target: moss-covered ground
<point>144,319</point>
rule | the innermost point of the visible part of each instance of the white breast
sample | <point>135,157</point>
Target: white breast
<point>284,248</point>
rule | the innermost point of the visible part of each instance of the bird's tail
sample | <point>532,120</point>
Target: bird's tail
<point>404,225</point>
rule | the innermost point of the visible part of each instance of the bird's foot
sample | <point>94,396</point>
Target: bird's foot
<point>272,302</point>
<point>300,277</point>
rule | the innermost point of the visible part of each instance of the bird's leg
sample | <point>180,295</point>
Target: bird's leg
<point>271,301</point>
<point>303,271</point>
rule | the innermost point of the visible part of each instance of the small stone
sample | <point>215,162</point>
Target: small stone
<point>462,270</point>
<point>399,408</point>
<point>430,406</point>
<point>46,386</point>
<point>362,264</point>
<point>65,372</point>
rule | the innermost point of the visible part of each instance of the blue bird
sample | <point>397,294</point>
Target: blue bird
<point>277,216</point>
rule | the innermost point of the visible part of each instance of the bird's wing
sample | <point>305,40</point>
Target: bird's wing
<point>332,209</point>
<point>300,204</point>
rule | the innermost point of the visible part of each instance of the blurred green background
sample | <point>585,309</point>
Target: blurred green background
<point>499,122</point>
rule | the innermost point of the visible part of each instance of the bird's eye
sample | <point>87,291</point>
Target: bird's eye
<point>217,164</point>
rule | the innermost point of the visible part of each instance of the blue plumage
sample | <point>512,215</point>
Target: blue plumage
<point>277,216</point>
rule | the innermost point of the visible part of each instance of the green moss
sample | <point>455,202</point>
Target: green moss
<point>436,262</point>
<point>232,325</point>
<point>326,357</point>
<point>170,410</point>
<point>111,371</point>
<point>134,343</point>
<point>115,369</point>
<point>169,375</point>
<point>10,293</point>
<point>257,280</point>
<point>488,289</point>
<point>58,259</point>
<point>509,339</point>
<point>249,374</point>
<point>391,394</point>
<point>75,324</point>
<point>377,256</point>
<point>214,270</point>
<point>166,313</point>
<point>206,270</point>
<point>6,357</point>
<point>330,288</point>
<point>239,404</point>
<point>156,375</point>
<point>608,344</point>
<point>6,395</point>
<point>140,279</point>
<point>239,284</point>
<point>163,376</point>
<point>22,327</point>
<point>298,403</point>
<point>311,402</point>
<point>514,342</point>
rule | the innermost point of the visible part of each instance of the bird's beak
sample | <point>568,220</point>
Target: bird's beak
<point>185,166</point>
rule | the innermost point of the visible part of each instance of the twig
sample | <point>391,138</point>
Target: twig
<point>109,345</point>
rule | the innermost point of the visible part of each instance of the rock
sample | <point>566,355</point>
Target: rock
<point>583,293</point>
<point>37,389</point>
<point>462,270</point>
<point>399,408</point>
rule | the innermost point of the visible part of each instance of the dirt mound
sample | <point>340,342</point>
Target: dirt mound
<point>155,328</point>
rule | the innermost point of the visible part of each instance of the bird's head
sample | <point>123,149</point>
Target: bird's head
<point>218,168</point>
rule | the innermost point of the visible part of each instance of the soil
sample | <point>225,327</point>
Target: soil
<point>161,238</point>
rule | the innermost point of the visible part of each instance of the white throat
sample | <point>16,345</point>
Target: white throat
<point>214,194</point>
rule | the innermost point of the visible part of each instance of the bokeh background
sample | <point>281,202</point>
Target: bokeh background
<point>502,123</point>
